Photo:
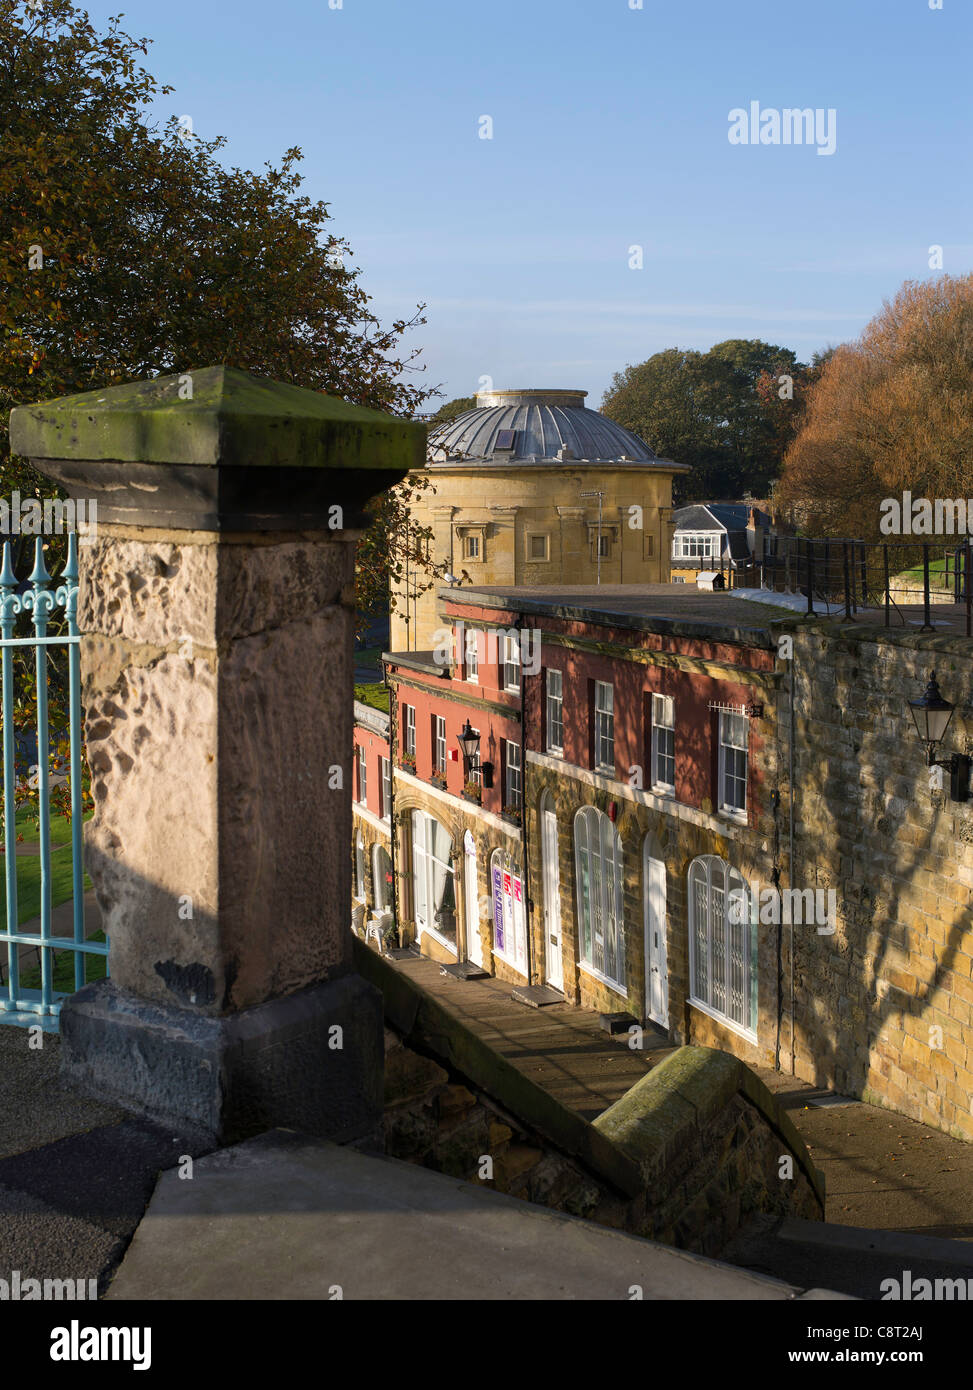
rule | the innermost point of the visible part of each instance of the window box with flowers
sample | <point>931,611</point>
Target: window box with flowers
<point>513,814</point>
<point>407,762</point>
<point>438,779</point>
<point>472,791</point>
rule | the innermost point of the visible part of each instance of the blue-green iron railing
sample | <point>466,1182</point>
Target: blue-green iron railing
<point>19,1005</point>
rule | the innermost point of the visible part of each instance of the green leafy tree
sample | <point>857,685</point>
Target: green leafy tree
<point>729,413</point>
<point>128,250</point>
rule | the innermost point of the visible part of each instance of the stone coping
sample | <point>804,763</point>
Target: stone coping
<point>950,643</point>
<point>211,416</point>
<point>418,661</point>
<point>376,721</point>
<point>660,1114</point>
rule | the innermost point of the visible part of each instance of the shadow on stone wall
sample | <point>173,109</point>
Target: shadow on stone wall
<point>870,998</point>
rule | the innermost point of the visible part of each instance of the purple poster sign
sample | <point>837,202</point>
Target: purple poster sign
<point>498,909</point>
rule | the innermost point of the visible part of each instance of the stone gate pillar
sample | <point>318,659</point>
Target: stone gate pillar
<point>215,611</point>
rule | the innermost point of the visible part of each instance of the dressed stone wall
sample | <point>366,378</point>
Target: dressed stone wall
<point>883,1009</point>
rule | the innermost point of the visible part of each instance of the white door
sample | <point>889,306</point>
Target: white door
<point>474,948</point>
<point>552,898</point>
<point>656,975</point>
<point>420,905</point>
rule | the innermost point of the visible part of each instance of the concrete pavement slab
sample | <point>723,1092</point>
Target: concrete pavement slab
<point>287,1217</point>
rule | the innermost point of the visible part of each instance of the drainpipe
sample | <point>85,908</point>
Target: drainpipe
<point>790,840</point>
<point>524,809</point>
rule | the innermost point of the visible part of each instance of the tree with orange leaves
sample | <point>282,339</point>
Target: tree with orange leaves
<point>891,412</point>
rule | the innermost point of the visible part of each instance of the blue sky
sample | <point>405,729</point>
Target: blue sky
<point>610,130</point>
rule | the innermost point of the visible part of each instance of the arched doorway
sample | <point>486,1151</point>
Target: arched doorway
<point>382,878</point>
<point>359,888</point>
<point>474,946</point>
<point>509,925</point>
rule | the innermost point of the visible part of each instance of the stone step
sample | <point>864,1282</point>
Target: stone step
<point>465,970</point>
<point>536,996</point>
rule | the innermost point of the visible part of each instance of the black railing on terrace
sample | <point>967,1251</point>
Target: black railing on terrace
<point>843,576</point>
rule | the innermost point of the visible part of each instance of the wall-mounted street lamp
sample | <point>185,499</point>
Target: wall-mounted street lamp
<point>932,714</point>
<point>469,742</point>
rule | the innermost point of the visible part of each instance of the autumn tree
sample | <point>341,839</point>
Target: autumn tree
<point>729,413</point>
<point>891,412</point>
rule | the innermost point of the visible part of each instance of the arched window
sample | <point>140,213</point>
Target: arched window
<point>433,880</point>
<point>509,923</point>
<point>722,944</point>
<point>598,868</point>
<point>359,867</point>
<point>381,878</point>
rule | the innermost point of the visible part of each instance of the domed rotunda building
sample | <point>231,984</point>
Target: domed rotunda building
<point>508,503</point>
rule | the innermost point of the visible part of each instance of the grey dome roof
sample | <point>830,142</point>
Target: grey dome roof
<point>545,426</point>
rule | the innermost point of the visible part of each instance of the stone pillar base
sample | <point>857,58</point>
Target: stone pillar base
<point>282,1064</point>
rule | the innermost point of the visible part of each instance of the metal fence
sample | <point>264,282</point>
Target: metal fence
<point>31,948</point>
<point>907,580</point>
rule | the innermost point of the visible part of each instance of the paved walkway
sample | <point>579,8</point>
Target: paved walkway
<point>30,849</point>
<point>560,1047</point>
<point>75,1173</point>
<point>882,1171</point>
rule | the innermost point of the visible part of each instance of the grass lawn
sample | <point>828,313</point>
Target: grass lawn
<point>29,884</point>
<point>375,695</point>
<point>60,829</point>
<point>937,576</point>
<point>29,870</point>
<point>62,887</point>
<point>63,982</point>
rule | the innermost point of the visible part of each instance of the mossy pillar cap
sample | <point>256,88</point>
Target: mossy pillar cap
<point>218,449</point>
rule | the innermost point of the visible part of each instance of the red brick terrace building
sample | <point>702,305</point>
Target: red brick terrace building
<point>623,791</point>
